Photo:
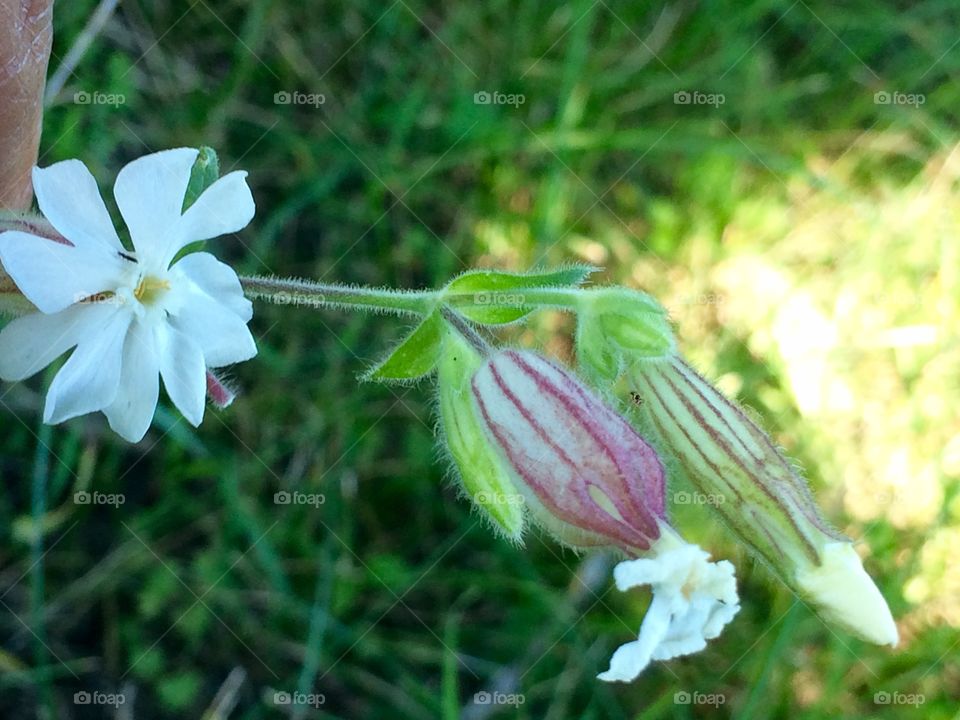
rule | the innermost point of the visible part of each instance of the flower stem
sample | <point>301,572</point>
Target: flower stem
<point>288,291</point>
<point>563,298</point>
<point>284,291</point>
<point>466,330</point>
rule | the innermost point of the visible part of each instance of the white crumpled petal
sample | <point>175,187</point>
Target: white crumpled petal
<point>149,193</point>
<point>69,198</point>
<point>693,599</point>
<point>54,276</point>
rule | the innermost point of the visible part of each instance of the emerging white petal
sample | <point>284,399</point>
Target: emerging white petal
<point>89,379</point>
<point>693,599</point>
<point>54,276</point>
<point>150,192</point>
<point>131,412</point>
<point>69,198</point>
<point>845,594</point>
<point>224,207</point>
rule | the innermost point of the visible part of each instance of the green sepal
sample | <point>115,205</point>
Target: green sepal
<point>599,360</point>
<point>204,173</point>
<point>484,474</point>
<point>616,327</point>
<point>493,303</point>
<point>415,356</point>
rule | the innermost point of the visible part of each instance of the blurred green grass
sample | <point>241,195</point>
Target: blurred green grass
<point>799,232</point>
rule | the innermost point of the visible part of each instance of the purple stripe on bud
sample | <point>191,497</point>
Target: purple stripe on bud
<point>579,459</point>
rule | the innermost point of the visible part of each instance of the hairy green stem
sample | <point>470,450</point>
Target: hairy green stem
<point>283,291</point>
<point>555,297</point>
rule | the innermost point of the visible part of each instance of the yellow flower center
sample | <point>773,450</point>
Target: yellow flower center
<point>150,289</point>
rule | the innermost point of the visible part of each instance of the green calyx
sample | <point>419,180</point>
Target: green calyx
<point>484,475</point>
<point>617,326</point>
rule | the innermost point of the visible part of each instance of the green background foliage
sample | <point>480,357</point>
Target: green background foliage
<point>802,235</point>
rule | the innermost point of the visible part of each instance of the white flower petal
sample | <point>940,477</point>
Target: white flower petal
<point>218,280</point>
<point>53,275</point>
<point>693,599</point>
<point>643,571</point>
<point>30,343</point>
<point>222,336</point>
<point>70,199</point>
<point>627,662</point>
<point>89,379</point>
<point>183,371</point>
<point>150,193</point>
<point>720,615</point>
<point>131,412</point>
<point>631,659</point>
<point>224,207</point>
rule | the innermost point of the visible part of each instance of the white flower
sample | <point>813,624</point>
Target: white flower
<point>693,599</point>
<point>131,316</point>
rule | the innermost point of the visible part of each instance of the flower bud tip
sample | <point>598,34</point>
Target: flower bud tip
<point>845,594</point>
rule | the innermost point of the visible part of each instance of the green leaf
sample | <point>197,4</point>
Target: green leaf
<point>479,280</point>
<point>496,304</point>
<point>205,172</point>
<point>416,356</point>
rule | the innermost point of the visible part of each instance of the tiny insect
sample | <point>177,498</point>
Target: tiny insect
<point>636,398</point>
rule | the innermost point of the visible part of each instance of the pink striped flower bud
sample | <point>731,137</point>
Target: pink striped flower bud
<point>588,477</point>
<point>585,472</point>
